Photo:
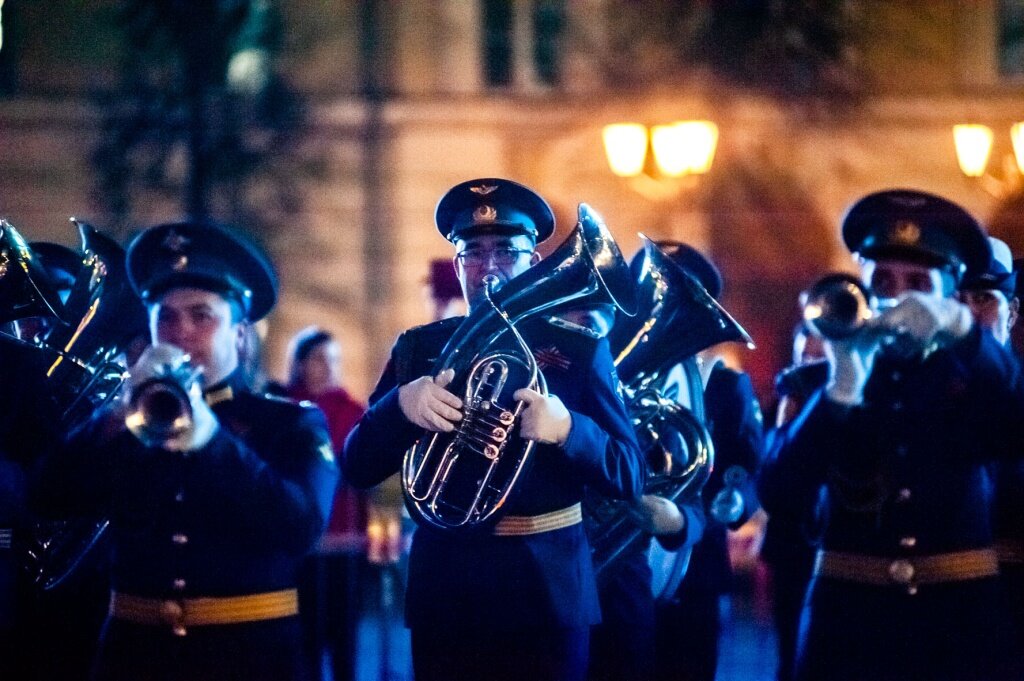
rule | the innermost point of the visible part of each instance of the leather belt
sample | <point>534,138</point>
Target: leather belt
<point>5,537</point>
<point>522,525</point>
<point>179,614</point>
<point>1010,551</point>
<point>909,572</point>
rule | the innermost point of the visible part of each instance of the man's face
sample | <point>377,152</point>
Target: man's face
<point>892,278</point>
<point>992,311</point>
<point>199,322</point>
<point>491,254</point>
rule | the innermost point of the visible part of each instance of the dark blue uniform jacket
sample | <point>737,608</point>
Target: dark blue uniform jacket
<point>250,503</point>
<point>508,583</point>
<point>905,476</point>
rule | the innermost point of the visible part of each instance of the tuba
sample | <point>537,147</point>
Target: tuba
<point>25,288</point>
<point>678,318</point>
<point>85,368</point>
<point>462,480</point>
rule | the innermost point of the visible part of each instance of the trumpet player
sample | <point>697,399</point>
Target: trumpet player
<point>905,584</point>
<point>210,523</point>
<point>516,601</point>
<point>992,297</point>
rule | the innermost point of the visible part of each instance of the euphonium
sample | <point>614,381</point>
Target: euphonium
<point>677,319</point>
<point>464,478</point>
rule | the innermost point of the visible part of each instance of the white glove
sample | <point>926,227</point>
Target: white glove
<point>172,362</point>
<point>426,403</point>
<point>658,515</point>
<point>850,363</point>
<point>545,419</point>
<point>923,317</point>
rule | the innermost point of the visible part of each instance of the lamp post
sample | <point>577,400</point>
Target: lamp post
<point>974,143</point>
<point>660,161</point>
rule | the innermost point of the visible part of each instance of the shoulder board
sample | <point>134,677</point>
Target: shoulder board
<point>572,326</point>
<point>284,402</point>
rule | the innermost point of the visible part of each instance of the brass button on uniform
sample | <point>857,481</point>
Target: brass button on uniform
<point>179,497</point>
<point>901,571</point>
<point>179,584</point>
<point>908,542</point>
<point>179,539</point>
<point>904,495</point>
<point>179,630</point>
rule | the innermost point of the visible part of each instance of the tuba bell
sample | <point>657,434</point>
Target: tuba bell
<point>25,288</point>
<point>462,480</point>
<point>677,319</point>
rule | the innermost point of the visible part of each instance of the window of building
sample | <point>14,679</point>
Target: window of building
<point>503,53</point>
<point>1011,37</point>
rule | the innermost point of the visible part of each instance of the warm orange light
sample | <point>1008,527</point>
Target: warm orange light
<point>625,145</point>
<point>1017,136</point>
<point>973,146</point>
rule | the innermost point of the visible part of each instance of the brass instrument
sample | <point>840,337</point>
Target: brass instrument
<point>159,408</point>
<point>83,354</point>
<point>462,480</point>
<point>25,288</point>
<point>837,306</point>
<point>840,306</point>
<point>678,318</point>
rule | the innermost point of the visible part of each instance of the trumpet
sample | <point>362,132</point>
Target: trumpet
<point>840,306</point>
<point>160,406</point>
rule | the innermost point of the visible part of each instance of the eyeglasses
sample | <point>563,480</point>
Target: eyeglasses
<point>502,257</point>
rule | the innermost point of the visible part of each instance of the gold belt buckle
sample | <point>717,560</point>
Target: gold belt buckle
<point>173,613</point>
<point>901,571</point>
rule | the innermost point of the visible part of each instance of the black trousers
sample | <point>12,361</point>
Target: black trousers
<point>254,651</point>
<point>687,635</point>
<point>329,609</point>
<point>441,654</point>
<point>957,631</point>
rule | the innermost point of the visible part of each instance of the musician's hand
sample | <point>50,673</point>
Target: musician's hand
<point>163,360</point>
<point>850,363</point>
<point>923,317</point>
<point>658,515</point>
<point>426,402</point>
<point>545,419</point>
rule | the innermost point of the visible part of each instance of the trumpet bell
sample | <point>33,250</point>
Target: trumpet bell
<point>837,306</point>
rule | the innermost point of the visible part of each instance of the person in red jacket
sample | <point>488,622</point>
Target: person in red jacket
<point>331,577</point>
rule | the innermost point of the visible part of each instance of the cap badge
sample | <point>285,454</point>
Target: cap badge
<point>180,263</point>
<point>485,214</point>
<point>484,189</point>
<point>175,242</point>
<point>905,232</point>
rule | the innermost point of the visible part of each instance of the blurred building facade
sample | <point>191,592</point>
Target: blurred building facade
<point>411,97</point>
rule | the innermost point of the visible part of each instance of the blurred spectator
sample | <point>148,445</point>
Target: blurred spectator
<point>329,588</point>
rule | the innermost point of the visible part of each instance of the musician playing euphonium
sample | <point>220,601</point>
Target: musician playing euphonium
<point>905,584</point>
<point>516,601</point>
